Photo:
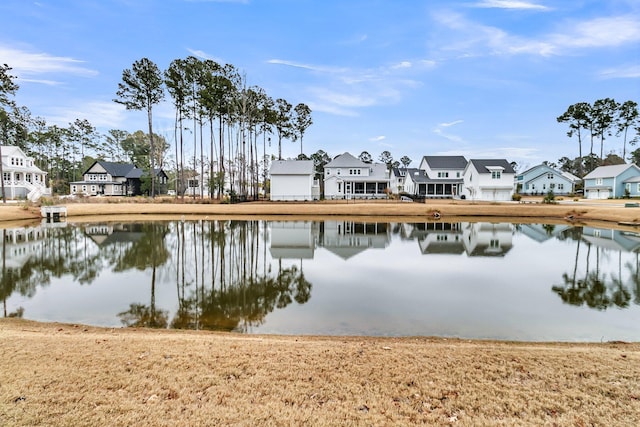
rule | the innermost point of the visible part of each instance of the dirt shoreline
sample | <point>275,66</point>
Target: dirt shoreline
<point>609,211</point>
<point>63,375</point>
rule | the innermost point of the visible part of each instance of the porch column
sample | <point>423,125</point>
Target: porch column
<point>13,185</point>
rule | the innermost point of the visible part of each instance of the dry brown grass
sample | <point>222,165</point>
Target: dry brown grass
<point>612,211</point>
<point>65,375</point>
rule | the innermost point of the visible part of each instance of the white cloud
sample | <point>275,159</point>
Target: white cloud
<point>474,39</point>
<point>341,90</point>
<point>101,114</point>
<point>510,4</point>
<point>508,153</point>
<point>628,72</point>
<point>440,131</point>
<point>26,63</point>
<point>449,124</point>
<point>377,138</point>
<point>204,55</point>
<point>403,64</point>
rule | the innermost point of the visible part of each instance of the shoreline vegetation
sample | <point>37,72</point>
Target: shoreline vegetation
<point>61,374</point>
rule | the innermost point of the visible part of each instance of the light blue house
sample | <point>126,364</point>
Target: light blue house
<point>542,178</point>
<point>606,182</point>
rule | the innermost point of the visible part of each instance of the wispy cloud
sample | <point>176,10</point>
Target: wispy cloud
<point>203,55</point>
<point>26,63</point>
<point>449,124</point>
<point>440,131</point>
<point>475,39</point>
<point>218,1</point>
<point>626,72</point>
<point>99,113</point>
<point>510,4</point>
<point>377,138</point>
<point>343,90</point>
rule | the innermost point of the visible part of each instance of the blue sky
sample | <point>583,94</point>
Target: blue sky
<point>481,78</point>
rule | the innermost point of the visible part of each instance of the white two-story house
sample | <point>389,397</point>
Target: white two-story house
<point>488,179</point>
<point>22,178</point>
<point>443,175</point>
<point>347,177</point>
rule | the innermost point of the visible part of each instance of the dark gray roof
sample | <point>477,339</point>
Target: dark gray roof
<point>446,162</point>
<point>482,165</point>
<point>116,169</point>
<point>134,173</point>
<point>417,175</point>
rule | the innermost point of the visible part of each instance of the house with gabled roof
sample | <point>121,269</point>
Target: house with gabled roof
<point>488,179</point>
<point>347,177</point>
<point>611,181</point>
<point>415,182</point>
<point>542,178</point>
<point>293,180</point>
<point>115,179</point>
<point>22,178</point>
<point>444,175</point>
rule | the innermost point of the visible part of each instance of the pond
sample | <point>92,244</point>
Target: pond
<point>481,280</point>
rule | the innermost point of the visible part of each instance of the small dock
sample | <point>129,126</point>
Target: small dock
<point>53,213</point>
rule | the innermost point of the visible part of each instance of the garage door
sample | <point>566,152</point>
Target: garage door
<point>598,194</point>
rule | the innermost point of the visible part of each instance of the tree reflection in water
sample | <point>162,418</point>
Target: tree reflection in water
<point>220,280</point>
<point>593,288</point>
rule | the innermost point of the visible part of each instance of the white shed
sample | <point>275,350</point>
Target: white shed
<point>292,180</point>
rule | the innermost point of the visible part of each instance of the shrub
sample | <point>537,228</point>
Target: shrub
<point>516,197</point>
<point>549,198</point>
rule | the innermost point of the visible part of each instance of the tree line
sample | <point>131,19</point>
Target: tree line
<point>595,123</point>
<point>210,100</point>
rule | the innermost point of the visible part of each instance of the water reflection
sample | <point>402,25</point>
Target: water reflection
<point>378,278</point>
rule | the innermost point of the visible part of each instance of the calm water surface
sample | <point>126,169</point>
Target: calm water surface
<point>507,281</point>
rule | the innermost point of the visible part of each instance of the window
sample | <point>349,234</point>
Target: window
<point>560,186</point>
<point>496,174</point>
<point>638,189</point>
<point>93,188</point>
<point>598,181</point>
<point>28,177</point>
<point>544,186</point>
<point>74,189</point>
<point>6,176</point>
<point>338,172</point>
<point>627,187</point>
<point>193,183</point>
<point>457,174</point>
<point>549,176</point>
<point>533,186</point>
<point>494,243</point>
<point>552,186</point>
<point>443,174</point>
<point>358,171</point>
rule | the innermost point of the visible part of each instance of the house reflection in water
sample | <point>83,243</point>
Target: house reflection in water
<point>114,233</point>
<point>618,240</point>
<point>472,238</point>
<point>436,237</point>
<point>348,238</point>
<point>23,243</point>
<point>293,239</point>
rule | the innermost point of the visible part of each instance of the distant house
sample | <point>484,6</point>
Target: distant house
<point>416,182</point>
<point>542,178</point>
<point>115,179</point>
<point>22,178</point>
<point>611,181</point>
<point>488,179</point>
<point>293,180</point>
<point>444,175</point>
<point>346,177</point>
<point>396,180</point>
